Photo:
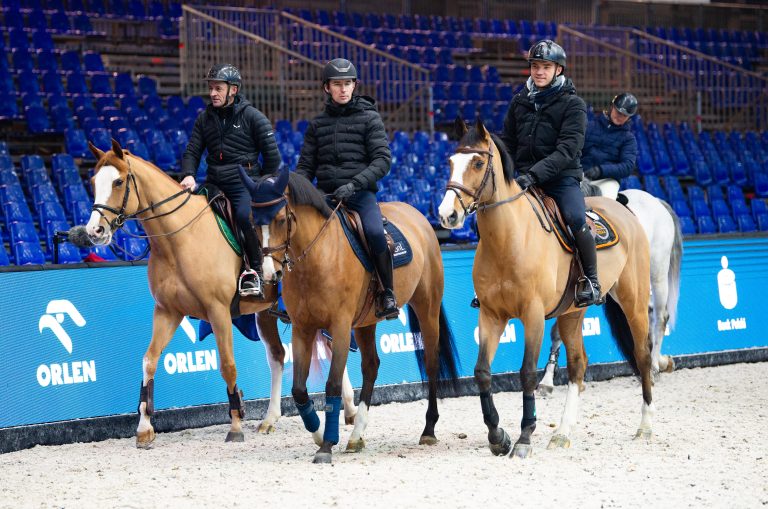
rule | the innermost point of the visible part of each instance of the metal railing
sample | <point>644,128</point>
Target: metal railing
<point>281,57</point>
<point>673,83</point>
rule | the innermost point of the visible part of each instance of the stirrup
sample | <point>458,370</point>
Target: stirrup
<point>388,313</point>
<point>596,298</point>
<point>255,290</point>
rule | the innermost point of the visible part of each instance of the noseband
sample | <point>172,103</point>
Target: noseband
<point>290,217</point>
<point>459,188</point>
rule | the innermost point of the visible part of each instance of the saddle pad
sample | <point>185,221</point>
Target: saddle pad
<point>402,253</point>
<point>223,226</point>
<point>604,233</point>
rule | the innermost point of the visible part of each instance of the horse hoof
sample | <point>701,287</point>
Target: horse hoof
<point>235,436</point>
<point>266,428</point>
<point>643,433</point>
<point>427,440</point>
<point>356,445</point>
<point>349,420</point>
<point>322,457</point>
<point>670,364</point>
<point>503,447</point>
<point>522,451</point>
<point>544,391</point>
<point>559,442</point>
<point>145,439</point>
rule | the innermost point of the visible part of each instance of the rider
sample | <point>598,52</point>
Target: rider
<point>235,133</point>
<point>544,133</point>
<point>347,150</point>
<point>610,148</point>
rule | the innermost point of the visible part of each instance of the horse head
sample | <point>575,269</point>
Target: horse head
<point>270,217</point>
<point>471,180</point>
<point>111,184</point>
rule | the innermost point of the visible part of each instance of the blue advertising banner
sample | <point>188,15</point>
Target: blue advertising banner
<point>73,340</point>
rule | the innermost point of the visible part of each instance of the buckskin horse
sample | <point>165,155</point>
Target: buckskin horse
<point>326,287</point>
<point>192,271</point>
<point>520,271</point>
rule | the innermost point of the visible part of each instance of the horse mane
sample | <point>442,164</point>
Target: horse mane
<point>472,138</point>
<point>303,192</point>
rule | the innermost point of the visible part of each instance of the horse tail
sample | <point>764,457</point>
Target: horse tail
<point>675,259</point>
<point>449,364</point>
<point>620,331</point>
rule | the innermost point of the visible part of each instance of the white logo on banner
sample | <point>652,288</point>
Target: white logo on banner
<point>729,297</point>
<point>590,326</point>
<point>508,336</point>
<point>64,373</point>
<point>190,362</point>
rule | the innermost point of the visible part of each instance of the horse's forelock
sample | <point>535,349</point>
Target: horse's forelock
<point>473,139</point>
<point>302,192</point>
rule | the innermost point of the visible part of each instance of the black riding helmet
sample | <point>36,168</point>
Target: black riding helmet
<point>339,69</point>
<point>227,73</point>
<point>625,103</point>
<point>547,50</point>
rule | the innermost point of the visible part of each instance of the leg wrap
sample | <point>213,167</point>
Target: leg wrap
<point>147,395</point>
<point>490,416</point>
<point>309,416</point>
<point>236,401</point>
<point>332,408</point>
<point>529,411</point>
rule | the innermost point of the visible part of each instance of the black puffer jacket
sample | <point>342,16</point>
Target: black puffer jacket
<point>234,135</point>
<point>346,143</point>
<point>546,142</point>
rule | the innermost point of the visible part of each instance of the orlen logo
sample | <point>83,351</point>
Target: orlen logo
<point>190,362</point>
<point>65,373</point>
<point>508,336</point>
<point>401,341</point>
<point>590,326</point>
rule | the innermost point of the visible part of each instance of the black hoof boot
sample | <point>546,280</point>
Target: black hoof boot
<point>475,302</point>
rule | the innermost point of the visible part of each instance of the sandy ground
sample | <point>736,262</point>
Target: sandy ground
<point>709,450</point>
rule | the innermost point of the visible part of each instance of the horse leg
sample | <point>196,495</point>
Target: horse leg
<point>490,330</point>
<point>427,310</point>
<point>164,324</point>
<point>658,325</point>
<point>347,391</point>
<point>533,323</point>
<point>221,323</point>
<point>547,383</point>
<point>301,342</point>
<point>267,325</point>
<point>340,332</point>
<point>570,331</point>
<point>366,341</point>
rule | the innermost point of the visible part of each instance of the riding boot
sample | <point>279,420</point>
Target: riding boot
<point>250,281</point>
<point>386,304</point>
<point>588,291</point>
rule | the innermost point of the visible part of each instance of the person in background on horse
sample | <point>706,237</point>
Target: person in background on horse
<point>544,133</point>
<point>235,133</point>
<point>346,148</point>
<point>610,148</point>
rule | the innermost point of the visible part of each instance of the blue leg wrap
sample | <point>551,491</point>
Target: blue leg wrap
<point>332,409</point>
<point>309,416</point>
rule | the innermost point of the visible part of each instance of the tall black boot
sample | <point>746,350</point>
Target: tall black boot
<point>386,304</point>
<point>250,281</point>
<point>588,291</point>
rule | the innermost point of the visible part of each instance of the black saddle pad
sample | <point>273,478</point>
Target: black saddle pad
<point>402,254</point>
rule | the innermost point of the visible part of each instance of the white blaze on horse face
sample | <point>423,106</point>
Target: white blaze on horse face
<point>460,164</point>
<point>268,265</point>
<point>103,184</point>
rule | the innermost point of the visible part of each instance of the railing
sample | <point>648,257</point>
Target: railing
<point>281,57</point>
<point>673,83</point>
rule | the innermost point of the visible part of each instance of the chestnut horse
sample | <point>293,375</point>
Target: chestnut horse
<point>192,271</point>
<point>326,287</point>
<point>520,271</point>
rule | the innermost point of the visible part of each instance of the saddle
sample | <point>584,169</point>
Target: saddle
<point>604,233</point>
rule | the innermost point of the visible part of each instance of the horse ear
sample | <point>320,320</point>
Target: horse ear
<point>459,127</point>
<point>117,149</point>
<point>282,178</point>
<point>98,154</point>
<point>480,128</point>
<point>248,182</point>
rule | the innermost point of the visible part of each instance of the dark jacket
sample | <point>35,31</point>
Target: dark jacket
<point>233,135</point>
<point>346,143</point>
<point>546,142</point>
<point>612,148</point>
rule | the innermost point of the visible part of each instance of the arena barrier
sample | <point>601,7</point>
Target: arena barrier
<point>73,341</point>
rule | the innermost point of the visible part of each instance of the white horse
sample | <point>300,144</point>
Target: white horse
<point>665,237</point>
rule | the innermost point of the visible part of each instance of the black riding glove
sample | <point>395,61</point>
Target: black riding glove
<point>343,192</point>
<point>593,173</point>
<point>525,181</point>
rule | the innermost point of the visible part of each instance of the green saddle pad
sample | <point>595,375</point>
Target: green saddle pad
<point>223,226</point>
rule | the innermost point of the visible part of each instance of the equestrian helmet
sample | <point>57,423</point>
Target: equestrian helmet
<point>339,69</point>
<point>547,50</point>
<point>625,103</point>
<point>227,73</point>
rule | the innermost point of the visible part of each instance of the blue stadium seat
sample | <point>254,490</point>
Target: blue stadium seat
<point>82,24</point>
<point>22,232</point>
<point>4,260</point>
<point>147,86</point>
<point>164,156</point>
<point>700,208</point>
<point>28,253</point>
<point>60,22</point>
<point>681,208</point>
<point>725,224</point>
<point>101,138</point>
<point>93,62</point>
<point>100,84</point>
<point>124,85</point>
<point>42,40</point>
<point>76,143</point>
<point>687,226</point>
<point>758,207</point>
<point>51,211</point>
<point>705,225</point>
<point>81,212</point>
<point>134,248</point>
<point>746,223</point>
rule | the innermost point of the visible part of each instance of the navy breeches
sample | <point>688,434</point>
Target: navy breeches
<point>364,203</point>
<point>238,196</point>
<point>567,194</point>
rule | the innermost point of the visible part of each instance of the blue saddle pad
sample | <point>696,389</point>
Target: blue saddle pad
<point>401,256</point>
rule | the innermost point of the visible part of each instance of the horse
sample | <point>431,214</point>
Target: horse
<point>520,271</point>
<point>192,271</point>
<point>665,237</point>
<point>326,287</point>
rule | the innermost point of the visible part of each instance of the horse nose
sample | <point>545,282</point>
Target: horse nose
<point>99,230</point>
<point>451,219</point>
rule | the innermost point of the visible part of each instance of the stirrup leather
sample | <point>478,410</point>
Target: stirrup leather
<point>248,292</point>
